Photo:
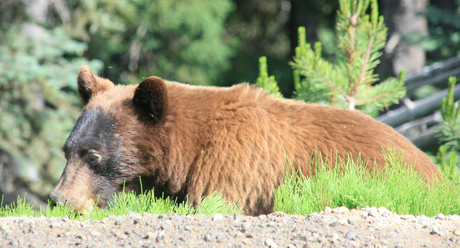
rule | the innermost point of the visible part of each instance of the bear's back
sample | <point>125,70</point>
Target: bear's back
<point>252,138</point>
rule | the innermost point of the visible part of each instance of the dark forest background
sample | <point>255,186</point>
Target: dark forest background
<point>43,43</point>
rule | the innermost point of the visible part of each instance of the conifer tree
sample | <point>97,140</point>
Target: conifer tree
<point>348,82</point>
<point>449,134</point>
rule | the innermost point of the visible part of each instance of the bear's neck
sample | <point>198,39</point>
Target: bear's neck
<point>188,122</point>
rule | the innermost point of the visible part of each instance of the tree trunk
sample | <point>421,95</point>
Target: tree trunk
<point>405,26</point>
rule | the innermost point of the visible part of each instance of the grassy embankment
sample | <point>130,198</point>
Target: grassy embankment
<point>400,190</point>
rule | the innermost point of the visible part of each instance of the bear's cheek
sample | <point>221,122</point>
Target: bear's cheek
<point>105,187</point>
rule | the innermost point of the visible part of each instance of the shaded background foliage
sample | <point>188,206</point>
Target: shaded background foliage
<point>140,38</point>
<point>43,43</point>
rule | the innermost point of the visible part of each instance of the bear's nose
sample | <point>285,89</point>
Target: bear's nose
<point>55,198</point>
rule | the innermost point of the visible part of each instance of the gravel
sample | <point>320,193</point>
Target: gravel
<point>339,227</point>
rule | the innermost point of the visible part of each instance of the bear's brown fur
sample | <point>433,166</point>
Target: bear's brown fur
<point>193,140</point>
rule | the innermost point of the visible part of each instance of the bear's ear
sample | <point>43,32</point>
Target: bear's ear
<point>90,84</point>
<point>150,97</point>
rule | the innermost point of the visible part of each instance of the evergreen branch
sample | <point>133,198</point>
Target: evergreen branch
<point>366,61</point>
<point>267,82</point>
<point>351,32</point>
<point>333,85</point>
<point>379,96</point>
<point>350,49</point>
<point>374,14</point>
<point>314,70</point>
<point>375,98</point>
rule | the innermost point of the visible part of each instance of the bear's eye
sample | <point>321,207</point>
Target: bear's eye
<point>94,158</point>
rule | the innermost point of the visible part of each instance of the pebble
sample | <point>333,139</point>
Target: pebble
<point>160,237</point>
<point>325,219</point>
<point>245,226</point>
<point>165,226</point>
<point>373,212</point>
<point>5,228</point>
<point>407,217</point>
<point>312,239</point>
<point>340,210</point>
<point>352,220</point>
<point>217,217</point>
<point>208,237</point>
<point>440,216</point>
<point>384,212</point>
<point>270,243</point>
<point>351,234</point>
<point>55,225</point>
<point>454,217</point>
<point>149,235</point>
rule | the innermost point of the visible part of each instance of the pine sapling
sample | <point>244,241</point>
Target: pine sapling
<point>349,82</point>
<point>449,134</point>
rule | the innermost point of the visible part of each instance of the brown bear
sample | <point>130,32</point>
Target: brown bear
<point>188,140</point>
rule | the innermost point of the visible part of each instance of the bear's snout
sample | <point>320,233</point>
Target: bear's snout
<point>79,205</point>
<point>75,192</point>
<point>56,198</point>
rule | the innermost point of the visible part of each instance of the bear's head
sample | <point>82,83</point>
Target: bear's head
<point>118,138</point>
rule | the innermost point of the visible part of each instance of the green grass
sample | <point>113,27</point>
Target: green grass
<point>125,203</point>
<point>399,189</point>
